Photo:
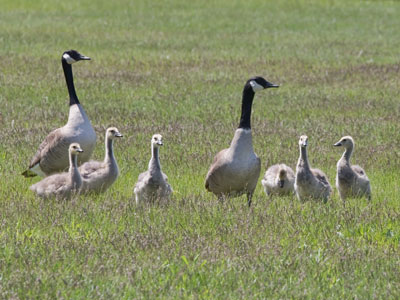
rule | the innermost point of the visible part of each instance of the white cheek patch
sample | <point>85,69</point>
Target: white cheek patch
<point>68,59</point>
<point>256,87</point>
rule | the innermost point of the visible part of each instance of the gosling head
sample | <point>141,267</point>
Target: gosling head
<point>75,149</point>
<point>157,140</point>
<point>258,83</point>
<point>346,141</point>
<point>112,132</point>
<point>303,141</point>
<point>72,56</point>
<point>281,177</point>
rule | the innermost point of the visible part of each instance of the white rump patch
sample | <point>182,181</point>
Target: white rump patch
<point>68,59</point>
<point>256,87</point>
<point>37,170</point>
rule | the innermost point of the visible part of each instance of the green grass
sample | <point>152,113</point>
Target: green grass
<point>178,68</point>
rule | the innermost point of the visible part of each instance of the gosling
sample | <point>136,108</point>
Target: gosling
<point>98,176</point>
<point>351,181</point>
<point>278,180</point>
<point>153,184</point>
<point>310,183</point>
<point>63,185</point>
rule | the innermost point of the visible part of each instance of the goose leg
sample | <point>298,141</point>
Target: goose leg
<point>249,198</point>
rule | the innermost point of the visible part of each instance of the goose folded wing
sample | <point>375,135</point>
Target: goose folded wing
<point>217,167</point>
<point>50,143</point>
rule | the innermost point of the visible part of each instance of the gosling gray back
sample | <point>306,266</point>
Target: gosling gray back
<point>153,184</point>
<point>279,180</point>
<point>62,185</point>
<point>310,183</point>
<point>351,180</point>
<point>98,176</point>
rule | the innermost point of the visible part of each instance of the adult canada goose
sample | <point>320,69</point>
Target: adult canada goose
<point>153,184</point>
<point>278,180</point>
<point>98,176</point>
<point>310,183</point>
<point>62,185</point>
<point>235,170</point>
<point>351,181</point>
<point>52,155</point>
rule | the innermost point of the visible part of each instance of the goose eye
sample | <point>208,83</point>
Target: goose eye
<point>344,140</point>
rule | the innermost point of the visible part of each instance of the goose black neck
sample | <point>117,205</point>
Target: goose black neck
<point>247,102</point>
<point>73,98</point>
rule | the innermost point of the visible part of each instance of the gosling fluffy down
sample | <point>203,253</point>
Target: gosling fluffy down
<point>351,181</point>
<point>279,180</point>
<point>98,176</point>
<point>310,183</point>
<point>153,184</point>
<point>63,185</point>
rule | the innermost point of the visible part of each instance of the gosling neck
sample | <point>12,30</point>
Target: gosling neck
<point>303,159</point>
<point>347,154</point>
<point>109,158</point>
<point>154,163</point>
<point>247,103</point>
<point>69,78</point>
<point>73,168</point>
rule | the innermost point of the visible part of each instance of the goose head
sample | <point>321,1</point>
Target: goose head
<point>303,141</point>
<point>157,140</point>
<point>259,83</point>
<point>72,56</point>
<point>281,177</point>
<point>346,141</point>
<point>75,149</point>
<point>113,132</point>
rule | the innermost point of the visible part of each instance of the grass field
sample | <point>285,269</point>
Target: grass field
<point>178,68</point>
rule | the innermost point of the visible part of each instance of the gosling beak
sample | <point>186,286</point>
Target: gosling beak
<point>118,134</point>
<point>337,144</point>
<point>281,183</point>
<point>80,150</point>
<point>160,143</point>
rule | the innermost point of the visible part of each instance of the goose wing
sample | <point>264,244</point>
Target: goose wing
<point>216,168</point>
<point>49,147</point>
